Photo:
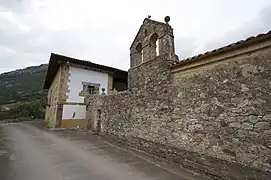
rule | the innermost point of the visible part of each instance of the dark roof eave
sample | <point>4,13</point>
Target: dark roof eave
<point>50,72</point>
<point>56,59</point>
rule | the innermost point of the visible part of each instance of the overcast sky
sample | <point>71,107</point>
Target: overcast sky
<point>102,31</point>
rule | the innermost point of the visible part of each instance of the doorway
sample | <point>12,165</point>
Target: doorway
<point>99,113</point>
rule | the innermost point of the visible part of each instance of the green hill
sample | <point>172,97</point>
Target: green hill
<point>23,85</point>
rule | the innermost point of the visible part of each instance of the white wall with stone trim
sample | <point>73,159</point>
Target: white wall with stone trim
<point>77,76</point>
<point>78,110</point>
<point>75,86</point>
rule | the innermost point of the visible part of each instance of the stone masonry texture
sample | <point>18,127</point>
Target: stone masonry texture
<point>214,118</point>
<point>224,111</point>
<point>57,97</point>
<point>52,105</point>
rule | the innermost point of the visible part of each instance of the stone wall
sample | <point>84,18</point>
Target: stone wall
<point>57,97</point>
<point>151,78</point>
<point>213,118</point>
<point>64,87</point>
<point>224,109</point>
<point>94,104</point>
<point>52,104</point>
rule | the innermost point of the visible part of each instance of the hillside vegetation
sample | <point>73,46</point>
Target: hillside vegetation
<point>22,85</point>
<point>22,94</point>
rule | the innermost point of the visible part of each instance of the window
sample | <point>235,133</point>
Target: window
<point>90,89</point>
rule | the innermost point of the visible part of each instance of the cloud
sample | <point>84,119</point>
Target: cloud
<point>19,44</point>
<point>102,31</point>
<point>261,24</point>
<point>25,41</point>
<point>186,46</point>
<point>10,3</point>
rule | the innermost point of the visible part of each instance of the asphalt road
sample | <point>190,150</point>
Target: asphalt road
<point>30,153</point>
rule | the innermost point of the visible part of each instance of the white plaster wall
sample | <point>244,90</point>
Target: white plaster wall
<point>68,110</point>
<point>77,76</point>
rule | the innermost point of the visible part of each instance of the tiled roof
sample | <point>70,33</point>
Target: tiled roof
<point>227,48</point>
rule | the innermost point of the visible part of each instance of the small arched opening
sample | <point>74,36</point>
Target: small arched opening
<point>139,51</point>
<point>155,43</point>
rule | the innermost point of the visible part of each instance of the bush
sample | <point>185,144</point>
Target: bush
<point>33,109</point>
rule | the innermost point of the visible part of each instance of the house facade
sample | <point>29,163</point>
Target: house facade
<point>69,81</point>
